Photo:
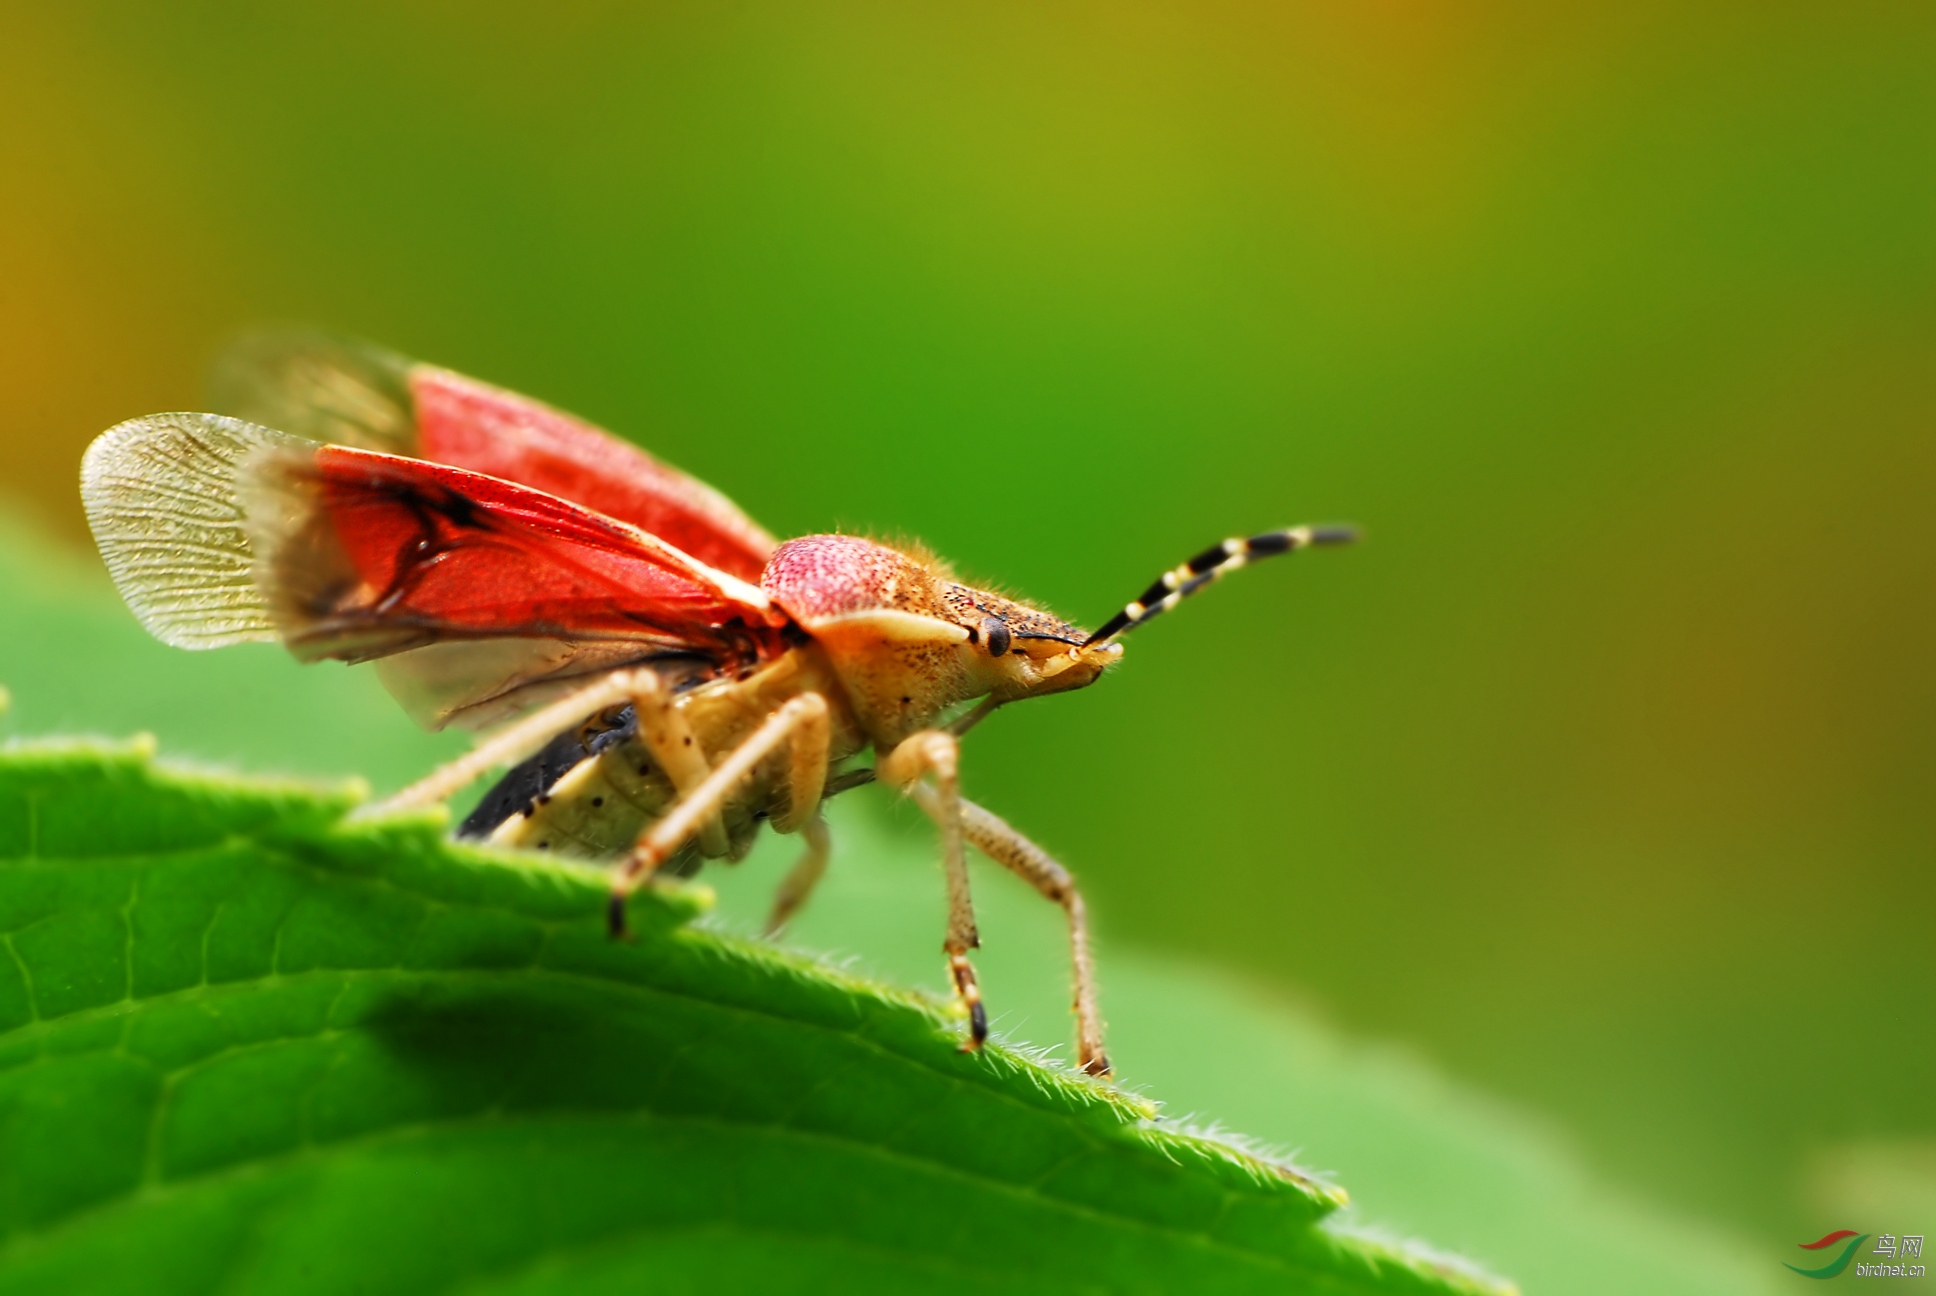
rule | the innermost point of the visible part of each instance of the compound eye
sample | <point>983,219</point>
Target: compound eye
<point>994,632</point>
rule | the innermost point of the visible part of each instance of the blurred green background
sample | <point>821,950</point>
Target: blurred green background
<point>1603,776</point>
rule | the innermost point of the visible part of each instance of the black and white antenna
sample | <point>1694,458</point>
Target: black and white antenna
<point>1211,566</point>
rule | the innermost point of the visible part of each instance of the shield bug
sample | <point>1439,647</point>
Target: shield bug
<point>660,674</point>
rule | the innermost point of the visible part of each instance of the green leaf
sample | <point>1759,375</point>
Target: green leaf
<point>245,1044</point>
<point>1425,1155</point>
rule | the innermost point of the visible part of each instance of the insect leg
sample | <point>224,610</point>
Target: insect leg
<point>516,742</point>
<point>667,734</point>
<point>803,876</point>
<point>806,781</point>
<point>993,837</point>
<point>807,771</point>
<point>936,752</point>
<point>803,719</point>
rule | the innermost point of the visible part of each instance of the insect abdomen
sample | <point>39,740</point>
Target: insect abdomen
<point>589,799</point>
<point>593,811</point>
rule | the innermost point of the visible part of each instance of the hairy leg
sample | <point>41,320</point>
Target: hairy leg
<point>934,753</point>
<point>806,782</point>
<point>807,770</point>
<point>801,879</point>
<point>667,734</point>
<point>993,837</point>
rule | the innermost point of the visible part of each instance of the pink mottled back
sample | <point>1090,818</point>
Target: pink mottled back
<point>822,576</point>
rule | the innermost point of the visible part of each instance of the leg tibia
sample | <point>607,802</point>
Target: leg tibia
<point>934,754</point>
<point>993,837</point>
<point>667,734</point>
<point>801,879</point>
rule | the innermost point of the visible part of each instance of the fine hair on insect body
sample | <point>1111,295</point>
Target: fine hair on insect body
<point>659,674</point>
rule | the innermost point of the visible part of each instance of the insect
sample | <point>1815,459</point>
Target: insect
<point>660,674</point>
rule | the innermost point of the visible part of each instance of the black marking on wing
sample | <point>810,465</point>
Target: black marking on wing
<point>427,502</point>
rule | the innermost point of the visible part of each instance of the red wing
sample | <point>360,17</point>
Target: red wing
<point>463,422</point>
<point>393,553</point>
<point>360,395</point>
<point>481,596</point>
